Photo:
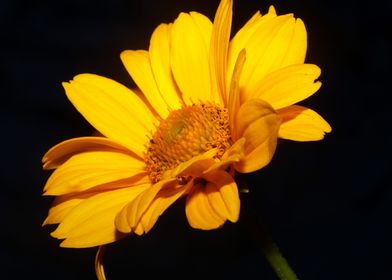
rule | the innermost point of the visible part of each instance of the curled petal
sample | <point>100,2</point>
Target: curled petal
<point>200,213</point>
<point>234,154</point>
<point>222,193</point>
<point>193,167</point>
<point>128,218</point>
<point>258,123</point>
<point>161,202</point>
<point>209,206</point>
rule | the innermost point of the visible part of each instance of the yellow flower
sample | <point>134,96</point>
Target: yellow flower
<point>206,107</point>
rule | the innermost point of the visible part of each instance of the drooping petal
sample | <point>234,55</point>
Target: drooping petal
<point>219,48</point>
<point>138,66</point>
<point>58,154</point>
<point>231,156</point>
<point>114,110</point>
<point>199,211</point>
<point>189,58</point>
<point>193,167</point>
<point>222,193</point>
<point>86,170</point>
<point>161,202</point>
<point>258,123</point>
<point>302,124</point>
<point>128,218</point>
<point>160,63</point>
<point>288,85</point>
<point>91,223</point>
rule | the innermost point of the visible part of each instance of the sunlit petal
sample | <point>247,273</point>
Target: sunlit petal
<point>113,109</point>
<point>58,154</point>
<point>189,58</point>
<point>160,64</point>
<point>138,66</point>
<point>129,216</point>
<point>219,48</point>
<point>91,222</point>
<point>258,123</point>
<point>89,169</point>
<point>222,193</point>
<point>199,211</point>
<point>302,124</point>
<point>288,85</point>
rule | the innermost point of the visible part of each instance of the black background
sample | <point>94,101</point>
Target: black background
<point>327,204</point>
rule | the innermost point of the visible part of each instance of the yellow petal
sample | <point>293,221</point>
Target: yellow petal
<point>302,124</point>
<point>130,215</point>
<point>63,204</point>
<point>190,56</point>
<point>222,195</point>
<point>232,155</point>
<point>161,202</point>
<point>242,37</point>
<point>91,223</point>
<point>219,48</point>
<point>58,154</point>
<point>139,230</point>
<point>86,170</point>
<point>271,10</point>
<point>114,110</point>
<point>193,167</point>
<point>199,211</point>
<point>288,85</point>
<point>271,43</point>
<point>138,66</point>
<point>296,50</point>
<point>256,17</point>
<point>234,93</point>
<point>258,123</point>
<point>160,63</point>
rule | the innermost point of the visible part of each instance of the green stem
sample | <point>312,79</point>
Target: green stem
<point>276,259</point>
<point>270,249</point>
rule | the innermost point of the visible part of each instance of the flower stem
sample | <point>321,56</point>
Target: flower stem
<point>276,259</point>
<point>269,247</point>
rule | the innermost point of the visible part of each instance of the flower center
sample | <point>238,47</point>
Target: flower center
<point>185,133</point>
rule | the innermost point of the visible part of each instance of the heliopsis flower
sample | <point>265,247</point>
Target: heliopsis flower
<point>206,107</point>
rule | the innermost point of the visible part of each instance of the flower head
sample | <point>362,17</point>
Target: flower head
<point>206,107</point>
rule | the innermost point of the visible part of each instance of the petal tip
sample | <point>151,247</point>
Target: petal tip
<point>272,10</point>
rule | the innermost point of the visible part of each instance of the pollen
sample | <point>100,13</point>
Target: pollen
<point>185,133</point>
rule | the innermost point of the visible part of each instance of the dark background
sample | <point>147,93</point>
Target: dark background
<point>327,204</point>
